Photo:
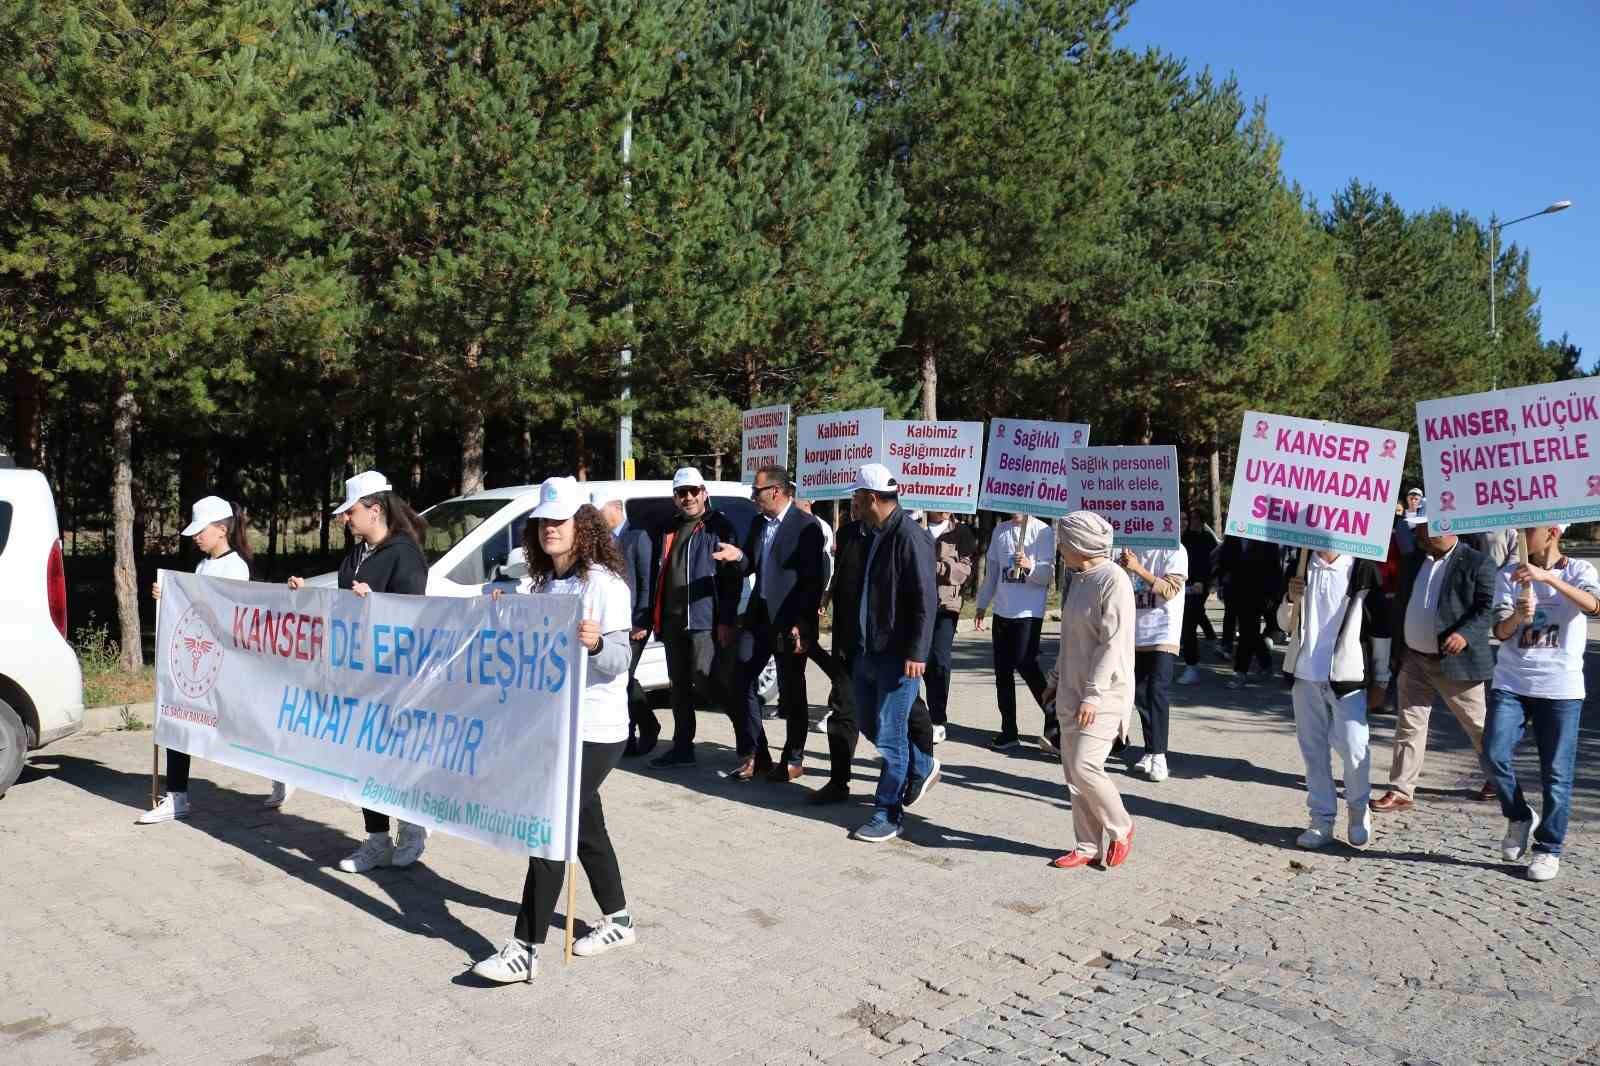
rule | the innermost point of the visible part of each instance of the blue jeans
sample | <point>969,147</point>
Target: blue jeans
<point>1555,730</point>
<point>884,695</point>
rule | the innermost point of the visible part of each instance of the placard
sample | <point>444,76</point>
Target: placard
<point>936,463</point>
<point>764,440</point>
<point>1134,488</point>
<point>1317,485</point>
<point>832,447</point>
<point>1512,459</point>
<point>1025,466</point>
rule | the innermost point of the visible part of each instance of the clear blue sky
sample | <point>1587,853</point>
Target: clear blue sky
<point>1471,105</point>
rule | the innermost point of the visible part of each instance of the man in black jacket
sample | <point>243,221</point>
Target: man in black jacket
<point>1443,612</point>
<point>633,544</point>
<point>784,554</point>
<point>895,623</point>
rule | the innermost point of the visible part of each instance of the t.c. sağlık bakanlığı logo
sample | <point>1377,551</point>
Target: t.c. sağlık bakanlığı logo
<point>194,655</point>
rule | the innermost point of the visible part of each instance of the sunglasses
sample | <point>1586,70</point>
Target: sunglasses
<point>689,491</point>
<point>756,492</point>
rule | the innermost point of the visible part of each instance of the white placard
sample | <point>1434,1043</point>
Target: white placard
<point>764,440</point>
<point>936,463</point>
<point>1025,466</point>
<point>1512,459</point>
<point>1317,485</point>
<point>1134,488</point>
<point>832,447</point>
<point>461,715</point>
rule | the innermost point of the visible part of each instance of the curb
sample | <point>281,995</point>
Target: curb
<point>100,719</point>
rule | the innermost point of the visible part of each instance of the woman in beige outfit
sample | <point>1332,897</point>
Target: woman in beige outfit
<point>1094,685</point>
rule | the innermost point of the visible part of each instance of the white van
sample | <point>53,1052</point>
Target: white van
<point>41,686</point>
<point>476,539</point>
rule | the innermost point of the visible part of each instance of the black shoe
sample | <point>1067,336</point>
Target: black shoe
<point>1004,741</point>
<point>832,792</point>
<point>917,787</point>
<point>646,742</point>
<point>672,760</point>
<point>631,748</point>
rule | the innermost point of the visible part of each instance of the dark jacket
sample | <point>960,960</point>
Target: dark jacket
<point>354,554</point>
<point>1252,571</point>
<point>901,597</point>
<point>396,565</point>
<point>638,570</point>
<point>713,586</point>
<point>798,572</point>
<point>850,546</point>
<point>1466,606</point>
<point>1201,545</point>
<point>1371,632</point>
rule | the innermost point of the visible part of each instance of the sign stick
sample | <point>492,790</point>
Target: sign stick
<point>572,905</point>
<point>155,749</point>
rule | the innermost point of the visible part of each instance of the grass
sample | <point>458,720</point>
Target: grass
<point>105,682</point>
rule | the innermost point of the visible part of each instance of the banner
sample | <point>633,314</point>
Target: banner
<point>765,440</point>
<point>936,463</point>
<point>1512,459</point>
<point>1133,488</point>
<point>1025,468</point>
<point>1316,485</point>
<point>832,447</point>
<point>461,715</point>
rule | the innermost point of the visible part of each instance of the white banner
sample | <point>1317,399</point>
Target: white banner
<point>1317,485</point>
<point>1512,459</point>
<point>1134,488</point>
<point>458,714</point>
<point>1025,466</point>
<point>832,447</point>
<point>764,440</point>
<point>936,463</point>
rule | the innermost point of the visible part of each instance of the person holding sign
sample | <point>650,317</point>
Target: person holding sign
<point>1336,617</point>
<point>1018,570</point>
<point>1541,606</point>
<point>218,529</point>
<point>571,553</point>
<point>1093,686</point>
<point>955,552</point>
<point>1159,576</point>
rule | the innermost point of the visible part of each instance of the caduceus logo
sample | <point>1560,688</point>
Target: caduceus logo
<point>194,655</point>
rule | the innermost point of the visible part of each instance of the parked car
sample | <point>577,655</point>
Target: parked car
<point>41,685</point>
<point>476,540</point>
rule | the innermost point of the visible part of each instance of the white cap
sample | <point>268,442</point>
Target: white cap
<point>598,498</point>
<point>687,477</point>
<point>207,510</point>
<point>1414,490</point>
<point>875,477</point>
<point>367,483</point>
<point>559,499</point>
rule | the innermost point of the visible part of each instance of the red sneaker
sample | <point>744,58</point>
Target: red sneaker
<point>1117,853</point>
<point>1071,859</point>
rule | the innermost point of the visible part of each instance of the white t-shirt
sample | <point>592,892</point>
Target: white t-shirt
<point>1545,659</point>
<point>1019,595</point>
<point>1158,621</point>
<point>1422,610</point>
<point>1326,599</point>
<point>605,600</point>
<point>231,565</point>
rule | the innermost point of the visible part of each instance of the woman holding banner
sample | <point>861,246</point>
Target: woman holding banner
<point>570,552</point>
<point>219,531</point>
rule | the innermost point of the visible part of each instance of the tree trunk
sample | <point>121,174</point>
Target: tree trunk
<point>472,435</point>
<point>1216,490</point>
<point>525,445</point>
<point>125,566</point>
<point>28,414</point>
<point>716,467</point>
<point>580,454</point>
<point>414,478</point>
<point>1146,432</point>
<point>194,473</point>
<point>930,382</point>
<point>324,526</point>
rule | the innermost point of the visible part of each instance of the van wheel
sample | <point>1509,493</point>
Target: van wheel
<point>13,746</point>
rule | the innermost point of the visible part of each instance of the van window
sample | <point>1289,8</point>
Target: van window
<point>5,525</point>
<point>450,521</point>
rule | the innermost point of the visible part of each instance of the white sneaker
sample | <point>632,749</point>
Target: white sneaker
<point>514,962</point>
<point>1190,676</point>
<point>1544,866</point>
<point>172,805</point>
<point>280,795</point>
<point>603,937</point>
<point>377,850</point>
<point>409,844</point>
<point>1158,768</point>
<point>1359,827</point>
<point>1144,764</point>
<point>1315,837</point>
<point>821,724</point>
<point>938,734</point>
<point>1514,845</point>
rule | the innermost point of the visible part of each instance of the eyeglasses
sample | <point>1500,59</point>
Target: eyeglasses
<point>755,493</point>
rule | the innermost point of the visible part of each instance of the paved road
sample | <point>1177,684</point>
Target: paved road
<point>767,936</point>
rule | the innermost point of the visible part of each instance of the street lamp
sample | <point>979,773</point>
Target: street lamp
<point>1494,240</point>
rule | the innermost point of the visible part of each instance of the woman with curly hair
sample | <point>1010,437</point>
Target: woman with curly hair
<point>570,552</point>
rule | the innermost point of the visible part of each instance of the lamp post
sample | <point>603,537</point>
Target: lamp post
<point>1495,227</point>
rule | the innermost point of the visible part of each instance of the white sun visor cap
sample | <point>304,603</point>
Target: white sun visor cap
<point>367,483</point>
<point>875,477</point>
<point>559,499</point>
<point>207,510</point>
<point>687,477</point>
<point>600,497</point>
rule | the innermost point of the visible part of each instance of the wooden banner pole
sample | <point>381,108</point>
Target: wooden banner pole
<point>572,905</point>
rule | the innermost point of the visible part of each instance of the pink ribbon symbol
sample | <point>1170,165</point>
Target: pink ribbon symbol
<point>1447,501</point>
<point>1166,525</point>
<point>1594,484</point>
<point>999,429</point>
<point>1077,436</point>
<point>1261,429</point>
<point>1388,450</point>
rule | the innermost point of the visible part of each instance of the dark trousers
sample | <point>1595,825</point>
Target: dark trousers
<point>641,719</point>
<point>1252,644</point>
<point>757,644</point>
<point>844,730</point>
<point>692,670</point>
<point>1195,619</point>
<point>1152,682</point>
<point>1230,620</point>
<point>1016,651</point>
<point>542,887</point>
<point>937,675</point>
<point>177,770</point>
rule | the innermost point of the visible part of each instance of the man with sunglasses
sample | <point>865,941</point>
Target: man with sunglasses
<point>696,608</point>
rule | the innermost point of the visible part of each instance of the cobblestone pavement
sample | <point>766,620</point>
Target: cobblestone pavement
<point>767,936</point>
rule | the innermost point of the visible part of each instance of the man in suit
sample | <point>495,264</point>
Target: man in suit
<point>1443,614</point>
<point>634,545</point>
<point>784,552</point>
